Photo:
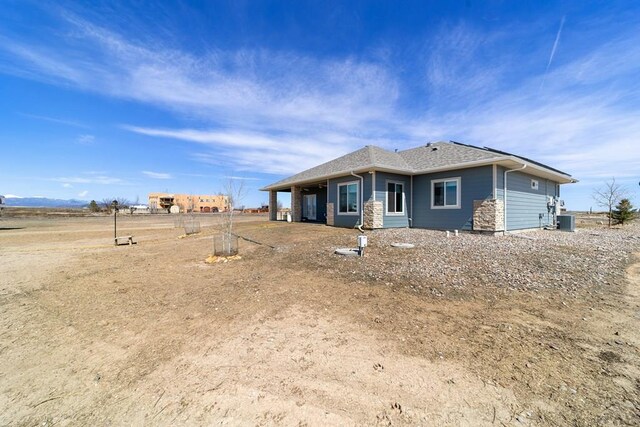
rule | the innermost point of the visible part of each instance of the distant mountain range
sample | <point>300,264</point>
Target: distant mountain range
<point>43,202</point>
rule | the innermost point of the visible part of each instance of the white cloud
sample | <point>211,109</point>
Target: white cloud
<point>256,88</point>
<point>553,50</point>
<point>85,139</point>
<point>249,151</point>
<point>452,61</point>
<point>55,120</point>
<point>157,175</point>
<point>242,178</point>
<point>67,185</point>
<point>95,179</point>
<point>83,193</point>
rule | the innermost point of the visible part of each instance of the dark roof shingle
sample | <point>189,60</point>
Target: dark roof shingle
<point>414,160</point>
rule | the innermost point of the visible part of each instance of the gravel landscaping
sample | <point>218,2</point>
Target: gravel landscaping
<point>538,260</point>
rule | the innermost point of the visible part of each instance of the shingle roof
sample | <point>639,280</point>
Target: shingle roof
<point>441,154</point>
<point>415,160</point>
<point>366,157</point>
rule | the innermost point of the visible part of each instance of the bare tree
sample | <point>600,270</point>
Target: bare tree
<point>608,195</point>
<point>123,202</point>
<point>234,192</point>
<point>107,203</point>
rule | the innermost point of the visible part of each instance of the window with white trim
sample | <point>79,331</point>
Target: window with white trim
<point>348,200</point>
<point>395,198</point>
<point>445,193</point>
<point>534,184</point>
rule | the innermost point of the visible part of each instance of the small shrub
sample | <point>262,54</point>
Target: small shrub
<point>623,212</point>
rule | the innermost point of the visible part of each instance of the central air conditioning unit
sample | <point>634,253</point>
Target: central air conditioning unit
<point>567,222</point>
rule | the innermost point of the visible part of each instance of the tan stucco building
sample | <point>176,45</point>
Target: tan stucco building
<point>188,202</point>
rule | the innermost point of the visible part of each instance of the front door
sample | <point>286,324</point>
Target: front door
<point>309,207</point>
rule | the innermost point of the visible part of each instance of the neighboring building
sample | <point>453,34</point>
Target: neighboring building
<point>442,185</point>
<point>139,209</point>
<point>187,202</point>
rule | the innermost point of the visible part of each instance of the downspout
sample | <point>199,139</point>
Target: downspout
<point>411,205</point>
<point>373,185</point>
<point>361,198</point>
<point>505,194</point>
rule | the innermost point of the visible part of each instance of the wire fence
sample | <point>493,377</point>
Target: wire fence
<point>225,245</point>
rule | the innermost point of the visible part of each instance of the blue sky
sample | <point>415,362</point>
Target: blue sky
<point>104,99</point>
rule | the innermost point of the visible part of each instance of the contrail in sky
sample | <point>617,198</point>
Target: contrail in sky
<point>553,51</point>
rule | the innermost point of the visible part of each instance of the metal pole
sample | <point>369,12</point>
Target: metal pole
<point>115,222</point>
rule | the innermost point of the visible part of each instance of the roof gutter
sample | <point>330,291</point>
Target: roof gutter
<point>361,199</point>
<point>505,194</point>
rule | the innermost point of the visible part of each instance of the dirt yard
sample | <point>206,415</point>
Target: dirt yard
<point>536,329</point>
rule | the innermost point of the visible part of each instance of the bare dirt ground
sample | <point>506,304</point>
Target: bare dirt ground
<point>92,334</point>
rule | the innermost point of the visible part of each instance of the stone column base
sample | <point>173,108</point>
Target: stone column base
<point>296,204</point>
<point>373,211</point>
<point>273,205</point>
<point>330,214</point>
<point>488,215</point>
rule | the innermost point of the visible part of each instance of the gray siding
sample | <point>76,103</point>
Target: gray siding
<point>525,204</point>
<point>391,221</point>
<point>475,184</point>
<point>348,221</point>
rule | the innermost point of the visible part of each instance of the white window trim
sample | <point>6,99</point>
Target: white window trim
<point>357,212</point>
<point>458,204</point>
<point>535,185</point>
<point>386,198</point>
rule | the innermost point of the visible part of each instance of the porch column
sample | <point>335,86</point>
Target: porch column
<point>273,205</point>
<point>296,203</point>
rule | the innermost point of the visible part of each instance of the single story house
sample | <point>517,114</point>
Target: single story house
<point>441,185</point>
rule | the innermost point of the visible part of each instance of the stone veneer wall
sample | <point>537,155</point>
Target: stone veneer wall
<point>273,205</point>
<point>488,215</point>
<point>296,204</point>
<point>373,212</point>
<point>330,214</point>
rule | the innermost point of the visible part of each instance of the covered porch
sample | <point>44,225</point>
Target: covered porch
<point>308,202</point>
